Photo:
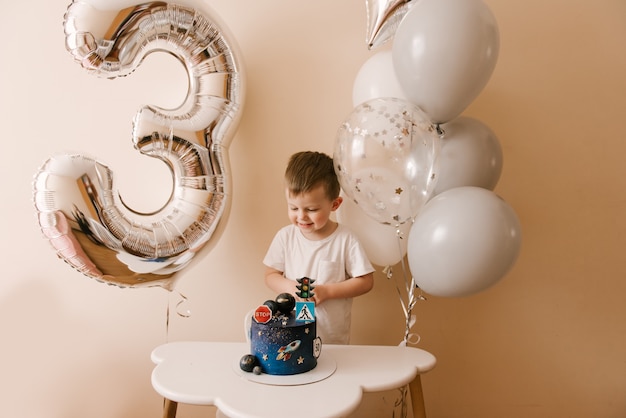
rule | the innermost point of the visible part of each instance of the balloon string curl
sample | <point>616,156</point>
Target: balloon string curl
<point>408,287</point>
<point>181,310</point>
<point>401,403</point>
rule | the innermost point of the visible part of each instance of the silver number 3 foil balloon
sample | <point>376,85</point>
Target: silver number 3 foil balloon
<point>79,209</point>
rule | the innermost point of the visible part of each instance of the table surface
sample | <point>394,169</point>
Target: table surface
<point>206,373</point>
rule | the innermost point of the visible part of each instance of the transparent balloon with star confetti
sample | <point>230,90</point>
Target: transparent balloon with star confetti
<point>386,155</point>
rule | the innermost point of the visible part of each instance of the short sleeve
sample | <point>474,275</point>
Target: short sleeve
<point>357,262</point>
<point>275,255</point>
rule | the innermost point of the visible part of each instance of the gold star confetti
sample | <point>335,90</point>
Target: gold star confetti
<point>399,190</point>
<point>265,357</point>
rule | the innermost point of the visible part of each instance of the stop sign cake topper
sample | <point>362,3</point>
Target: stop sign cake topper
<point>262,314</point>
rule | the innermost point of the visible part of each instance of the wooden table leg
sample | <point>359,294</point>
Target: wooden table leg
<point>417,398</point>
<point>169,408</point>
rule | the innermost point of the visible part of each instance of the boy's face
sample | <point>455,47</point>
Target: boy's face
<point>310,212</point>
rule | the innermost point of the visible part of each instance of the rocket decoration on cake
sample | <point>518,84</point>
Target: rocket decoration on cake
<point>305,288</point>
<point>284,352</point>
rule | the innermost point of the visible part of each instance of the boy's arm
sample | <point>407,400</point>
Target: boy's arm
<point>275,280</point>
<point>356,286</point>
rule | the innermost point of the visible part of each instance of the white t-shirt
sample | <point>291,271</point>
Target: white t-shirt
<point>334,259</point>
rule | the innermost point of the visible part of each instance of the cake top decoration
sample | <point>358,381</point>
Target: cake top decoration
<point>283,304</point>
<point>305,288</point>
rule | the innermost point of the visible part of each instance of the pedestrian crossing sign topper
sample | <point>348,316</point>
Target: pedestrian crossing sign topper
<point>305,311</point>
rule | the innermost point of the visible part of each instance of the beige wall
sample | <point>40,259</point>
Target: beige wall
<point>547,341</point>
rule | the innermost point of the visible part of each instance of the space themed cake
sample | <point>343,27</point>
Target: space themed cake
<point>283,338</point>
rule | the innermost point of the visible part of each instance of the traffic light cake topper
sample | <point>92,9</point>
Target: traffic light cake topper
<point>305,288</point>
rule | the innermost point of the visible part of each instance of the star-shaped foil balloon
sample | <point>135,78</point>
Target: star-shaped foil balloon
<point>383,18</point>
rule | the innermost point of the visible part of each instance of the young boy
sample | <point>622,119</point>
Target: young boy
<point>317,247</point>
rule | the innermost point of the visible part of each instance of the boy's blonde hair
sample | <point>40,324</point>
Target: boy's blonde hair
<point>307,170</point>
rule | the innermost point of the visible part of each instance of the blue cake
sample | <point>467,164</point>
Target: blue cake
<point>284,345</point>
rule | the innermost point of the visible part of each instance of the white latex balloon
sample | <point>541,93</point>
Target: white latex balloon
<point>470,155</point>
<point>462,242</point>
<point>385,245</point>
<point>444,52</point>
<point>375,79</point>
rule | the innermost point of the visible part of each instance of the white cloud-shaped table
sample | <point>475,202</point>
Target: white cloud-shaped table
<point>206,373</point>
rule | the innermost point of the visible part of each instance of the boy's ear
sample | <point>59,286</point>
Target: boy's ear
<point>337,202</point>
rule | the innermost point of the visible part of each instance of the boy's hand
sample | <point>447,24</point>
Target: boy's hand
<point>350,288</point>
<point>320,294</point>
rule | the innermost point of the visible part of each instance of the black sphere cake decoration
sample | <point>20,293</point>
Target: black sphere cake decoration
<point>286,302</point>
<point>273,305</point>
<point>248,362</point>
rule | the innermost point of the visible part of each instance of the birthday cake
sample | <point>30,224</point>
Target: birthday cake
<point>283,338</point>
